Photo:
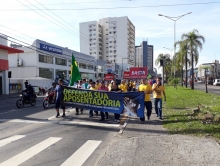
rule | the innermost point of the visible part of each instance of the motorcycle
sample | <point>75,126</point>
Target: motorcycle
<point>42,91</point>
<point>48,99</point>
<point>25,100</point>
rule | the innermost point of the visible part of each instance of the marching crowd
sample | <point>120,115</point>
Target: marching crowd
<point>149,87</point>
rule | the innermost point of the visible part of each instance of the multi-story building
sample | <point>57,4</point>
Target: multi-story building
<point>144,56</point>
<point>49,61</point>
<point>112,39</point>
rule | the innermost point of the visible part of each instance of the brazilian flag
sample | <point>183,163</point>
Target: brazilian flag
<point>75,75</point>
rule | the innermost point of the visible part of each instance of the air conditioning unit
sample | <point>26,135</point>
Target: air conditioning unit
<point>19,62</point>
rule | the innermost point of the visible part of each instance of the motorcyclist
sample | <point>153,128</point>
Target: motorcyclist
<point>29,92</point>
<point>53,87</point>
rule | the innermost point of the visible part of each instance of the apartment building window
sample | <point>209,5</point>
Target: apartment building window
<point>114,32</point>
<point>110,46</point>
<point>106,43</point>
<point>45,59</point>
<point>106,56</point>
<point>114,51</point>
<point>106,29</point>
<point>106,51</point>
<point>110,32</point>
<point>115,55</point>
<point>60,61</point>
<point>90,35</point>
<point>110,41</point>
<point>94,34</point>
<point>110,51</point>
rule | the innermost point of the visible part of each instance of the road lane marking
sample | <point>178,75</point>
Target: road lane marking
<point>10,139</point>
<point>23,121</point>
<point>82,154</point>
<point>27,154</point>
<point>55,116</point>
<point>10,111</point>
<point>89,124</point>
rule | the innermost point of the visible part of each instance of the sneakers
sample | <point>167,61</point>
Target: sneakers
<point>148,118</point>
<point>116,121</point>
<point>63,115</point>
<point>58,114</point>
<point>90,116</point>
<point>101,119</point>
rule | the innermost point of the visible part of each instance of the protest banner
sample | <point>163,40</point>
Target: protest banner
<point>126,75</point>
<point>138,72</point>
<point>109,77</point>
<point>130,103</point>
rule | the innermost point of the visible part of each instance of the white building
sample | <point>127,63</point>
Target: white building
<point>111,39</point>
<point>50,61</point>
<point>5,51</point>
<point>144,56</point>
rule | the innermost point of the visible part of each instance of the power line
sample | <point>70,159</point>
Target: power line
<point>62,19</point>
<point>49,19</point>
<point>124,7</point>
<point>15,35</point>
<point>18,32</point>
<point>32,47</point>
<point>76,2</point>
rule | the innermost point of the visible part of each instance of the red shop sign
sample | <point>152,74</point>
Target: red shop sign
<point>126,75</point>
<point>138,72</point>
<point>109,77</point>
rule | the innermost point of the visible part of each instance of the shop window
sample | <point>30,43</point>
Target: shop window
<point>45,59</point>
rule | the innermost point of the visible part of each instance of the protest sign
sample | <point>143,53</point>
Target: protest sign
<point>130,103</point>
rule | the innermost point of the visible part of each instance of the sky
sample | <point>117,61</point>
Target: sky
<point>27,25</point>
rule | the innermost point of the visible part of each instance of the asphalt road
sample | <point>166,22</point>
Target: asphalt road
<point>33,136</point>
<point>211,88</point>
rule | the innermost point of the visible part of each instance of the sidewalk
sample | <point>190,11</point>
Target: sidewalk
<point>150,144</point>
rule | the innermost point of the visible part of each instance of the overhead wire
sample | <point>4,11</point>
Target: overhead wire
<point>76,2</point>
<point>51,20</point>
<point>124,7</point>
<point>36,48</point>
<point>62,19</point>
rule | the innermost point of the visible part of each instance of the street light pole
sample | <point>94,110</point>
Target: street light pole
<point>122,66</point>
<point>174,19</point>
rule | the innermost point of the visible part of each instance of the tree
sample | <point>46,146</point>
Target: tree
<point>167,65</point>
<point>194,41</point>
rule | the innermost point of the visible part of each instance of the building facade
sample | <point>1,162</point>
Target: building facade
<point>213,70</point>
<point>50,61</point>
<point>5,51</point>
<point>144,56</point>
<point>110,39</point>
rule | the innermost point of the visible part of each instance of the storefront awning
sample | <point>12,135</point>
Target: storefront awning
<point>10,50</point>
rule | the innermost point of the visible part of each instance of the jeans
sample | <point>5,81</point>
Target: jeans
<point>103,115</point>
<point>148,106</point>
<point>90,112</point>
<point>158,106</point>
<point>117,116</point>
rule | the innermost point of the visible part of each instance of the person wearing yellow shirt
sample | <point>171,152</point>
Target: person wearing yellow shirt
<point>123,86</point>
<point>97,85</point>
<point>158,91</point>
<point>93,87</point>
<point>146,88</point>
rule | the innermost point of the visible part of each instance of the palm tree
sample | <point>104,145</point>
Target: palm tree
<point>195,41</point>
<point>167,65</point>
<point>182,56</point>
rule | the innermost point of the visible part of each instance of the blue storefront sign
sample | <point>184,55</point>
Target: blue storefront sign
<point>51,49</point>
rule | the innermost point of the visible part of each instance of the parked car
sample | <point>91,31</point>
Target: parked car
<point>216,82</point>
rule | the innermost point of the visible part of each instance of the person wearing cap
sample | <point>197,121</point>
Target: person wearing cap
<point>59,98</point>
<point>91,111</point>
<point>103,88</point>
